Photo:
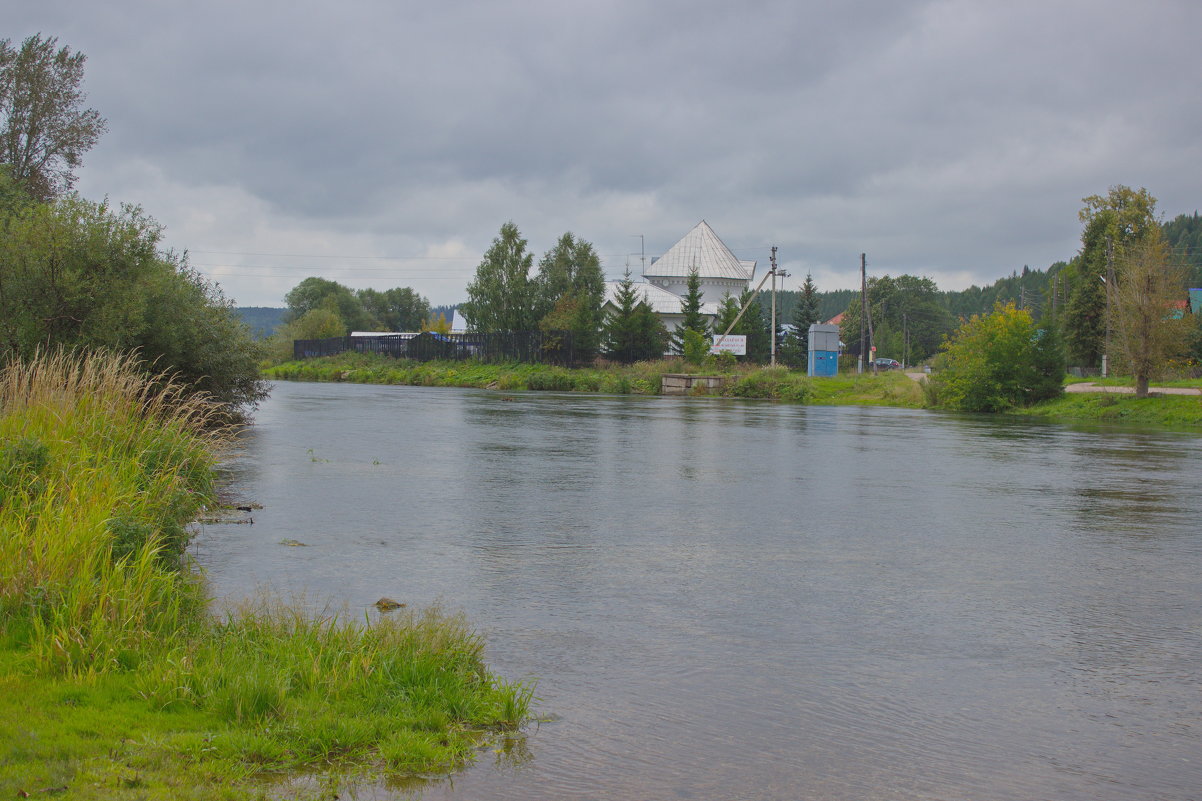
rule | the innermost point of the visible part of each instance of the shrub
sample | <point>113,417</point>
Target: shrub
<point>998,361</point>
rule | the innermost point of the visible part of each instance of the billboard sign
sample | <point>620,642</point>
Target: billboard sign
<point>731,343</point>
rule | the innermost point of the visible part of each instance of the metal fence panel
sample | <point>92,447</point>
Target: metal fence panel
<point>532,347</point>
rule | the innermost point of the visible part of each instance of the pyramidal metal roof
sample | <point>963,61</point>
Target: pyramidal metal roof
<point>700,249</point>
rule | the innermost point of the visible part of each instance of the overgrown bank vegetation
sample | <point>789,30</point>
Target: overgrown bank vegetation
<point>643,378</point>
<point>640,378</point>
<point>118,681</point>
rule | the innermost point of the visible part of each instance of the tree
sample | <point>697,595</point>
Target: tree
<point>44,131</point>
<point>690,306</point>
<point>503,296</point>
<point>909,314</point>
<point>728,312</point>
<point>997,361</point>
<point>321,293</point>
<point>571,289</point>
<point>1148,329</point>
<point>633,332</point>
<point>1112,225</point>
<point>79,274</point>
<point>1183,233</point>
<point>437,325</point>
<point>755,326</point>
<point>397,309</point>
<point>805,314</point>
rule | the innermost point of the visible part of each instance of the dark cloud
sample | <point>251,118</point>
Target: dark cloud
<point>947,138</point>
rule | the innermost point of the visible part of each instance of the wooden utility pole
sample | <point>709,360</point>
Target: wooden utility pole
<point>773,331</point>
<point>1109,281</point>
<point>863,311</point>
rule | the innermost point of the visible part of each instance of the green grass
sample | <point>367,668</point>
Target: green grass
<point>116,681</point>
<point>1172,411</point>
<point>1128,381</point>
<point>885,389</point>
<point>642,378</point>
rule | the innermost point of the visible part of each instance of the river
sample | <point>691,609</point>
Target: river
<point>744,600</point>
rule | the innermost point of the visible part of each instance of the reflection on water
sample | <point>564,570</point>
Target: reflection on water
<point>746,600</point>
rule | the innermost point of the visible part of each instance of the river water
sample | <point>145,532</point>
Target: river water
<point>743,600</point>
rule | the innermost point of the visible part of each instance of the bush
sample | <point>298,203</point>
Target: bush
<point>80,274</point>
<point>997,361</point>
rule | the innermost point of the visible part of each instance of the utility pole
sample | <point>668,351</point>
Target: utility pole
<point>642,254</point>
<point>773,333</point>
<point>863,311</point>
<point>1109,281</point>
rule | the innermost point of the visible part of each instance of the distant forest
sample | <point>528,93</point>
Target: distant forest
<point>261,320</point>
<point>1034,290</point>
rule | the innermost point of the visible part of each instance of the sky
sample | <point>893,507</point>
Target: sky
<point>384,144</point>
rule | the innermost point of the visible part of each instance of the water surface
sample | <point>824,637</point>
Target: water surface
<point>725,599</point>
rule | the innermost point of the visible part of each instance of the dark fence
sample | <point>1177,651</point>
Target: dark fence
<point>534,347</point>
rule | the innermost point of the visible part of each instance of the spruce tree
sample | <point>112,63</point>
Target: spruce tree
<point>805,314</point>
<point>633,332</point>
<point>690,306</point>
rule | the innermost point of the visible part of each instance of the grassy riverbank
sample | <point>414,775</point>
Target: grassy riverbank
<point>118,681</point>
<point>1169,411</point>
<point>642,378</point>
<point>886,389</point>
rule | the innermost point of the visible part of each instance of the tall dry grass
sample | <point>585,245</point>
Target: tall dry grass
<point>101,471</point>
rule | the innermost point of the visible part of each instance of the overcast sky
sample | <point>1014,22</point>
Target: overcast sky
<point>385,143</point>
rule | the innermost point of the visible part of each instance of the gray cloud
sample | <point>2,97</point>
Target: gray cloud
<point>948,139</point>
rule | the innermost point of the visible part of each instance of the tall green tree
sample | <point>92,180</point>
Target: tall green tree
<point>503,296</point>
<point>322,293</point>
<point>396,309</point>
<point>909,315</point>
<point>690,307</point>
<point>1112,225</point>
<point>571,288</point>
<point>756,327</point>
<point>805,314</point>
<point>44,129</point>
<point>74,273</point>
<point>633,332</point>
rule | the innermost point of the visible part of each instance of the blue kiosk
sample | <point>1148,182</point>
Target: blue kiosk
<point>824,350</point>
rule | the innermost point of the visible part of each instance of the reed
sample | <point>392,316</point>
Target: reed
<point>101,470</point>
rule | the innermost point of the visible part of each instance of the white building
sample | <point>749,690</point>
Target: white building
<point>666,278</point>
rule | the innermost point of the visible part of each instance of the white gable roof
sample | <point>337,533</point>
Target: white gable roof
<point>659,299</point>
<point>700,249</point>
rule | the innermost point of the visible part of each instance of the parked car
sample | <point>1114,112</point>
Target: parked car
<point>886,364</point>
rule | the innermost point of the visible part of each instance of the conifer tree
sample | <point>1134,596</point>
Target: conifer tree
<point>805,314</point>
<point>690,306</point>
<point>633,332</point>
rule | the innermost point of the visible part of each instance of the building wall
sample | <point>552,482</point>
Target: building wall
<point>712,289</point>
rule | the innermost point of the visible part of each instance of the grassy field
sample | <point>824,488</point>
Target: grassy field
<point>117,680</point>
